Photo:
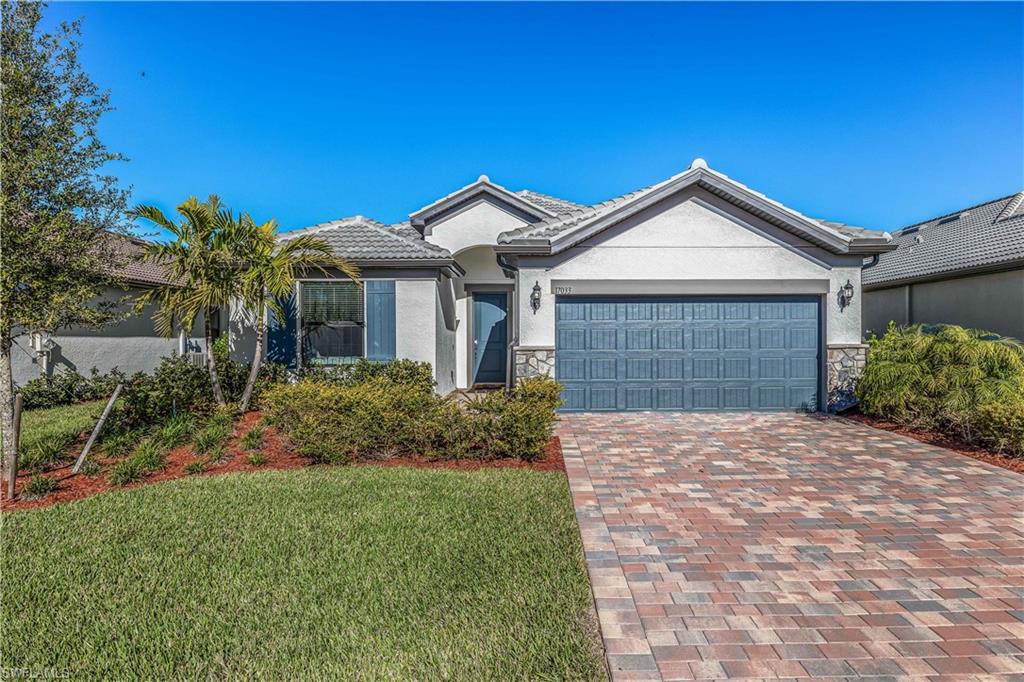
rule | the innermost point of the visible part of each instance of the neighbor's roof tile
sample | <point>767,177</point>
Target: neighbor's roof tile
<point>982,235</point>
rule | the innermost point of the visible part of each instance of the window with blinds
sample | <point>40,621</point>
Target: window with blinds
<point>333,322</point>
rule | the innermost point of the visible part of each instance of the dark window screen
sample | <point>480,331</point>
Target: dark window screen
<point>332,322</point>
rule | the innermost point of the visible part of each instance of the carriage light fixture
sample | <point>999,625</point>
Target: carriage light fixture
<point>845,295</point>
<point>535,298</point>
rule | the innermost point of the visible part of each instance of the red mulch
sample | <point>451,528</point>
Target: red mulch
<point>277,454</point>
<point>942,440</point>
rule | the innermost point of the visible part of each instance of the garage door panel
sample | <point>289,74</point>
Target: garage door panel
<point>685,354</point>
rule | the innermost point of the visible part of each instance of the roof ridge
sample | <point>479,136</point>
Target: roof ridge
<point>337,222</point>
<point>959,212</point>
<point>1012,207</point>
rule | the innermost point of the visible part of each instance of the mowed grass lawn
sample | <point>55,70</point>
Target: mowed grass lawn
<point>322,573</point>
<point>63,423</point>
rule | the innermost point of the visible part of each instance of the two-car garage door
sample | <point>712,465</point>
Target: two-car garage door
<point>688,353</point>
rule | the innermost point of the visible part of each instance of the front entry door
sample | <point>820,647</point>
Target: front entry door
<point>490,337</point>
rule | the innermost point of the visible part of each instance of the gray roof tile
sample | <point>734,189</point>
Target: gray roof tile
<point>988,234</point>
<point>363,239</point>
<point>550,203</point>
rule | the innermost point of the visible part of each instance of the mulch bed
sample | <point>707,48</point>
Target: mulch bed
<point>277,454</point>
<point>942,440</point>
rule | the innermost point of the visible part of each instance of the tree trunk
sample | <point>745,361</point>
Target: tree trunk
<point>257,361</point>
<point>7,403</point>
<point>211,363</point>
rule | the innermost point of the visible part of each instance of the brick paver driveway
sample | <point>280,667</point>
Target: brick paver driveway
<point>788,545</point>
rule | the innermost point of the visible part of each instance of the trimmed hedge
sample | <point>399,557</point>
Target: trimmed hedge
<point>393,411</point>
<point>964,381</point>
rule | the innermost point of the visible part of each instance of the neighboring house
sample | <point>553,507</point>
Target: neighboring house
<point>696,293</point>
<point>964,268</point>
<point>132,345</point>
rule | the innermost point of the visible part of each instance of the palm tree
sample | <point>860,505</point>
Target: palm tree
<point>271,269</point>
<point>200,266</point>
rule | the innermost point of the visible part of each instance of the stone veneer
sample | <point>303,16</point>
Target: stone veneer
<point>531,362</point>
<point>845,365</point>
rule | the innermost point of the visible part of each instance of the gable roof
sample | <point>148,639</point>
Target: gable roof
<point>366,241</point>
<point>483,187</point>
<point>983,237</point>
<point>553,235</point>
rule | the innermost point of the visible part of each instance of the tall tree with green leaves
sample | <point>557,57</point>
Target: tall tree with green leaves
<point>202,268</point>
<point>272,267</point>
<point>58,206</point>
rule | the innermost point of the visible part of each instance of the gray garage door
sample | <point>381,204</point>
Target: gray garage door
<point>719,353</point>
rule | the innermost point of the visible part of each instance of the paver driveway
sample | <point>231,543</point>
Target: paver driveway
<point>785,545</point>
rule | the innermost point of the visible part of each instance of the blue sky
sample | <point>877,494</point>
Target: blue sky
<point>871,114</point>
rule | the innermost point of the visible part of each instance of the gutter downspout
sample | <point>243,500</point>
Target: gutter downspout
<point>512,272</point>
<point>871,263</point>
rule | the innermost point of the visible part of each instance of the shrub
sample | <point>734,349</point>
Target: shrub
<point>418,376</point>
<point>380,417</point>
<point>175,386</point>
<point>257,459</point>
<point>935,376</point>
<point>67,386</point>
<point>518,424</point>
<point>1000,425</point>
<point>40,485</point>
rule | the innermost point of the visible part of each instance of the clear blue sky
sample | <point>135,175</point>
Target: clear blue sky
<point>871,114</point>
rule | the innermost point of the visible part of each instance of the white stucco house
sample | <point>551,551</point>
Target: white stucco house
<point>696,293</point>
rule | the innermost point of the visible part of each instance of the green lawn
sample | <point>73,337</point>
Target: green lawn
<point>323,573</point>
<point>58,422</point>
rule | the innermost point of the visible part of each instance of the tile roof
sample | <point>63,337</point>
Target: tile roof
<point>363,239</point>
<point>566,222</point>
<point>988,234</point>
<point>133,266</point>
<point>550,203</point>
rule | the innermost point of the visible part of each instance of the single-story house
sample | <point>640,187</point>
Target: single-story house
<point>696,293</point>
<point>131,345</point>
<point>964,268</point>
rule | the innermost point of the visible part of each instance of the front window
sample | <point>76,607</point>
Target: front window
<point>333,322</point>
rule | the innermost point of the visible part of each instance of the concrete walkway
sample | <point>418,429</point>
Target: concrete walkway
<point>794,546</point>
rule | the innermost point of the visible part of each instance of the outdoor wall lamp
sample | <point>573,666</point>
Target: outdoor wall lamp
<point>845,295</point>
<point>535,298</point>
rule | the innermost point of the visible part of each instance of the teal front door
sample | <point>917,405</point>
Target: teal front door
<point>490,337</point>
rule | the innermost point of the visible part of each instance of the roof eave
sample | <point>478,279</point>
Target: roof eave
<point>946,274</point>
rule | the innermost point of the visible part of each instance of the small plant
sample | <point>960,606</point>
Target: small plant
<point>253,440</point>
<point>47,454</point>
<point>195,467</point>
<point>176,430</point>
<point>149,456</point>
<point>120,443</point>
<point>257,459</point>
<point>210,438</point>
<point>39,486</point>
<point>217,454</point>
<point>125,472</point>
<point>90,468</point>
